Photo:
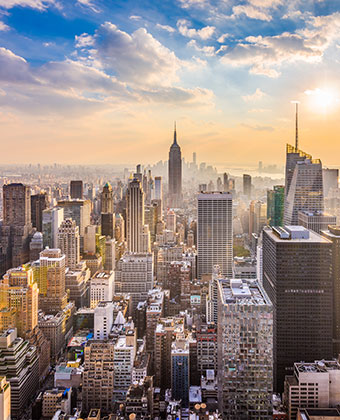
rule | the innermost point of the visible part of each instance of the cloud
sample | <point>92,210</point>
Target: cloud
<point>265,3</point>
<point>165,27</point>
<point>207,50</point>
<point>34,4</point>
<point>176,95</point>
<point>222,38</point>
<point>84,40</point>
<point>251,12</point>
<point>137,58</point>
<point>3,26</point>
<point>263,55</point>
<point>135,17</point>
<point>190,3</point>
<point>256,96</point>
<point>204,33</point>
<point>90,4</point>
<point>14,68</point>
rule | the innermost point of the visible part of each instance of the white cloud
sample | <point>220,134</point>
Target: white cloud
<point>14,68</point>
<point>190,3</point>
<point>256,96</point>
<point>251,12</point>
<point>137,58</point>
<point>90,4</point>
<point>84,40</point>
<point>135,17</point>
<point>264,55</point>
<point>265,3</point>
<point>165,27</point>
<point>222,38</point>
<point>3,26</point>
<point>34,4</point>
<point>207,50</point>
<point>184,97</point>
<point>203,33</point>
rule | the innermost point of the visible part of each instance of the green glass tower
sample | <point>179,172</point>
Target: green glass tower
<point>275,205</point>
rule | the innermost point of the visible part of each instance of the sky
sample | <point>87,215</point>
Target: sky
<point>102,81</point>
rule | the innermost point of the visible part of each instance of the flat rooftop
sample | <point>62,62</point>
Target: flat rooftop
<point>239,291</point>
<point>313,237</point>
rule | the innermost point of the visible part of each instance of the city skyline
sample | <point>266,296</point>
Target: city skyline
<point>225,71</point>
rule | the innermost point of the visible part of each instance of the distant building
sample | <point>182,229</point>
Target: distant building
<point>134,275</point>
<point>245,348</point>
<point>69,242</point>
<point>330,180</point>
<point>275,205</point>
<point>76,190</point>
<point>247,185</point>
<point>39,203</point>
<point>51,220</point>
<point>103,320</point>
<point>135,216</point>
<point>214,233</point>
<point>175,174</point>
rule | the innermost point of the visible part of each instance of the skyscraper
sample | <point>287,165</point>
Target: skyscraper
<point>245,350</point>
<point>107,211</point>
<point>39,202</point>
<point>135,215</point>
<point>107,199</point>
<point>304,185</point>
<point>247,185</point>
<point>215,233</point>
<point>297,276</point>
<point>76,190</point>
<point>275,205</point>
<point>53,297</point>
<point>16,228</point>
<point>69,242</point>
<point>175,174</point>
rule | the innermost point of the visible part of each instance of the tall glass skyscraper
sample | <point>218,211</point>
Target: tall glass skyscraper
<point>275,205</point>
<point>215,233</point>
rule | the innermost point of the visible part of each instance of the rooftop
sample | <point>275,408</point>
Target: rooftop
<point>295,234</point>
<point>243,292</point>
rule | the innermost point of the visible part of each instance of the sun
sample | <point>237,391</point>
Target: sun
<point>323,99</point>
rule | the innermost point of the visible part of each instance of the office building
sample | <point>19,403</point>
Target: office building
<point>51,220</point>
<point>5,399</point>
<point>39,202</point>
<point>312,385</point>
<point>98,376</point>
<point>304,185</point>
<point>158,188</point>
<point>175,174</point>
<point>275,205</point>
<point>110,254</point>
<point>77,285</point>
<point>36,246</point>
<point>103,320</point>
<point>19,363</point>
<point>16,227</point>
<point>333,235</point>
<point>56,399</point>
<point>134,215</point>
<point>330,180</point>
<point>52,293</point>
<point>76,190</point>
<point>107,202</point>
<point>206,337</point>
<point>101,287</point>
<point>316,220</point>
<point>247,185</point>
<point>297,276</point>
<point>257,217</point>
<point>123,360</point>
<point>20,296</point>
<point>79,211</point>
<point>245,350</point>
<point>171,220</point>
<point>134,275</point>
<point>69,242</point>
<point>214,233</point>
<point>180,370</point>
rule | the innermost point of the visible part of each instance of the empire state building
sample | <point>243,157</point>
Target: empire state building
<point>175,174</point>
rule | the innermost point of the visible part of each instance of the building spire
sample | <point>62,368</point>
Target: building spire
<point>175,134</point>
<point>296,126</point>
